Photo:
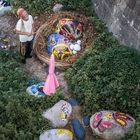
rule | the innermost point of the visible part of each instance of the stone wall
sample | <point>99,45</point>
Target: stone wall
<point>122,18</point>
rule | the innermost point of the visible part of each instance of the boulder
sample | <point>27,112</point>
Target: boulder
<point>59,114</point>
<point>78,129</point>
<point>5,6</point>
<point>36,90</point>
<point>56,134</point>
<point>111,125</point>
<point>57,8</point>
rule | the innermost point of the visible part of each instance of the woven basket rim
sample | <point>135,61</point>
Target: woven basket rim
<point>39,45</point>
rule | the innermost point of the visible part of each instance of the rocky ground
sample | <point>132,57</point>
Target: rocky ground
<point>35,68</point>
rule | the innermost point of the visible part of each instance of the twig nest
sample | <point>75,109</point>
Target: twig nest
<point>84,31</point>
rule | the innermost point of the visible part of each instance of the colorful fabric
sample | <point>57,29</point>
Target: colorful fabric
<point>60,51</point>
<point>52,41</point>
<point>55,39</point>
<point>70,28</point>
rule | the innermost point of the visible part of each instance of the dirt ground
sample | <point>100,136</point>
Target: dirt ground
<point>35,68</point>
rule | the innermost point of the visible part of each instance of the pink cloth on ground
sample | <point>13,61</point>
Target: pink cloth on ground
<point>51,82</point>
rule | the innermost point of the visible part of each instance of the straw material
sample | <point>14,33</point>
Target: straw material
<point>48,28</point>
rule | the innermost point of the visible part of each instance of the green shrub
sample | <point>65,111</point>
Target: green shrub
<point>108,80</point>
<point>20,114</point>
<point>36,7</point>
<point>107,77</point>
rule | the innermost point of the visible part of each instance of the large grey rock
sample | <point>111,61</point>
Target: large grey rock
<point>57,7</point>
<point>111,125</point>
<point>56,134</point>
<point>4,7</point>
<point>59,114</point>
<point>122,17</point>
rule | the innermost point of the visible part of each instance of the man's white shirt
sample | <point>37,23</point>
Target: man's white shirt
<point>25,26</point>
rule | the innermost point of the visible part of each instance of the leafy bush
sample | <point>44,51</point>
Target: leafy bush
<point>107,80</point>
<point>20,114</point>
<point>36,7</point>
<point>107,77</point>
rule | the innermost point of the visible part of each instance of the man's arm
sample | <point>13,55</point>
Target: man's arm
<point>23,33</point>
<point>33,29</point>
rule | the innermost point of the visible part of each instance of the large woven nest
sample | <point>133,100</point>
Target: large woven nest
<point>47,28</point>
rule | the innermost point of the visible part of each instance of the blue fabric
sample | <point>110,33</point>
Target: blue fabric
<point>52,41</point>
<point>78,129</point>
<point>73,102</point>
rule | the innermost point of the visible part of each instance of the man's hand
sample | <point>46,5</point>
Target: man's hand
<point>32,32</point>
<point>29,34</point>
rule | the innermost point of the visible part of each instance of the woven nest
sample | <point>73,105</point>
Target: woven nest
<point>47,28</point>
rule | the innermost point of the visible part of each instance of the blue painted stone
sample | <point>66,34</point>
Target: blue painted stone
<point>73,102</point>
<point>78,129</point>
<point>86,121</point>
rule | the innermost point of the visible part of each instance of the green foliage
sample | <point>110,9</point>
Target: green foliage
<point>20,114</point>
<point>107,77</point>
<point>39,6</point>
<point>107,80</point>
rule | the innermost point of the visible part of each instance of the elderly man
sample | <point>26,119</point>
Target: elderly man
<point>24,28</point>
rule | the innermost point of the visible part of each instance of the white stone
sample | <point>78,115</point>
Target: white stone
<point>111,125</point>
<point>56,134</point>
<point>74,52</point>
<point>77,47</point>
<point>59,114</point>
<point>79,42</point>
<point>71,46</point>
<point>57,7</point>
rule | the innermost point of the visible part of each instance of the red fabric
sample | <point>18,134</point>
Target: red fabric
<point>20,12</point>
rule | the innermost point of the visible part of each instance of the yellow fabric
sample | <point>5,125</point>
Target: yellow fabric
<point>56,53</point>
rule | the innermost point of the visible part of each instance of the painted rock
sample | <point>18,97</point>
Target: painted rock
<point>111,125</point>
<point>59,114</point>
<point>36,90</point>
<point>78,129</point>
<point>56,134</point>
